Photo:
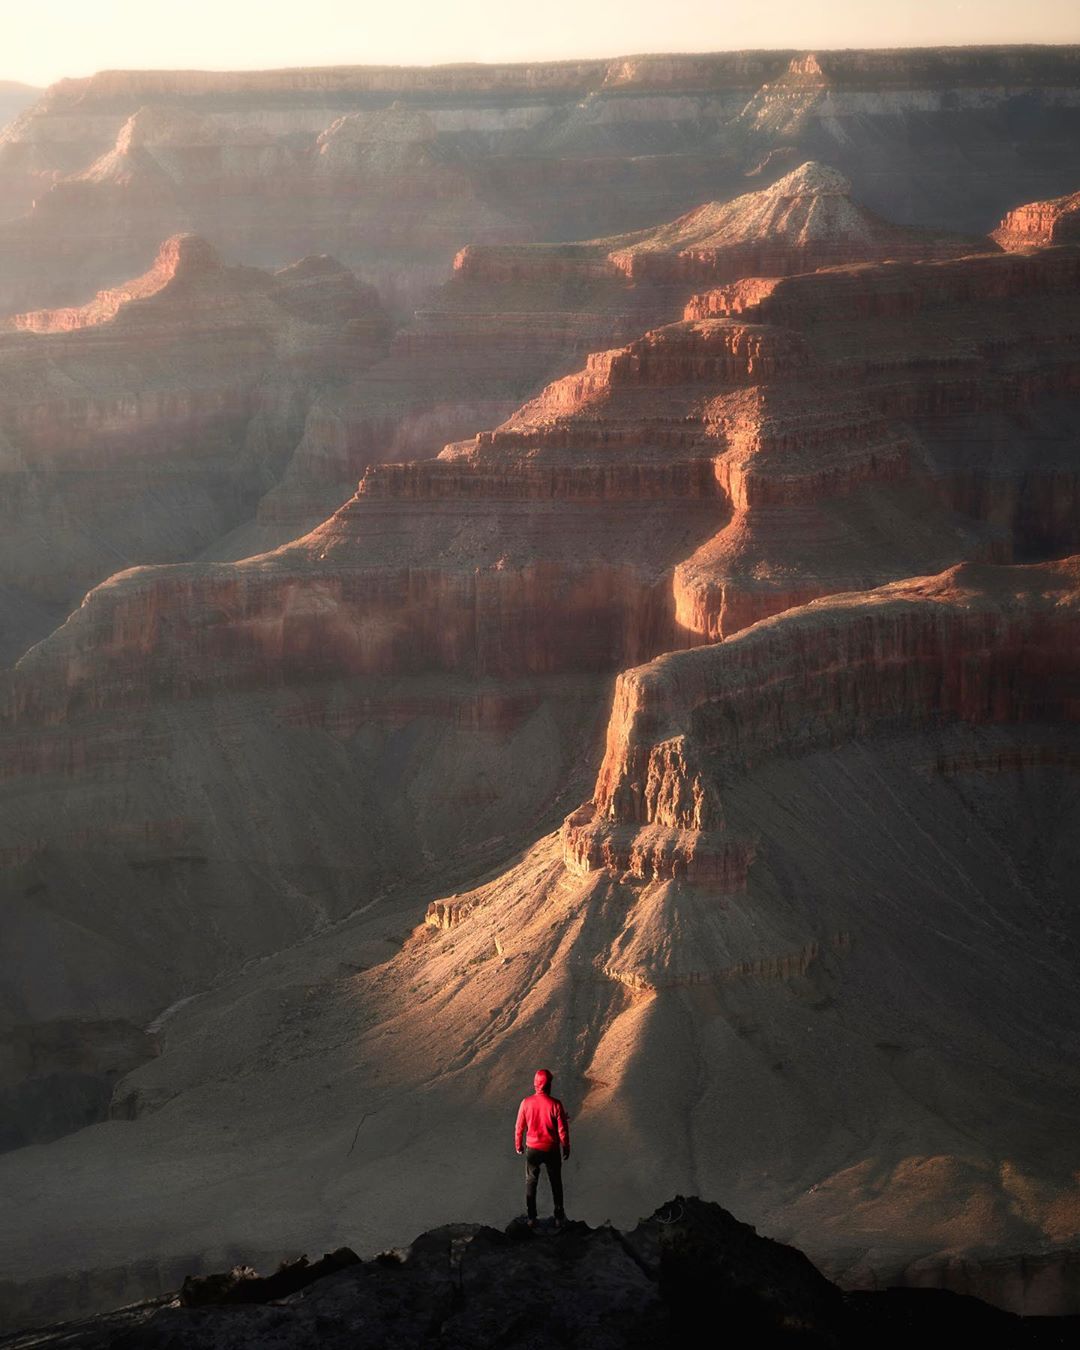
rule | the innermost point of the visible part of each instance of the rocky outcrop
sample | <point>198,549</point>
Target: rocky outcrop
<point>243,1284</point>
<point>1039,224</point>
<point>979,645</point>
<point>143,425</point>
<point>897,291</point>
<point>182,262</point>
<point>914,379</point>
<point>805,220</point>
<point>688,1264</point>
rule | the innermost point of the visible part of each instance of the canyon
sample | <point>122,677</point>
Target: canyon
<point>513,317</point>
<point>573,561</point>
<point>393,170</point>
<point>276,391</point>
<point>790,832</point>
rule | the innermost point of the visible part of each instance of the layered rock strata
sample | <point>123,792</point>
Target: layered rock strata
<point>393,170</point>
<point>945,389</point>
<point>993,645</point>
<point>806,220</point>
<point>514,317</point>
<point>712,472</point>
<point>1040,224</point>
<point>145,424</point>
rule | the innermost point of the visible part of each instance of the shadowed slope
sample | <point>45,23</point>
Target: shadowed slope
<point>148,422</point>
<point>860,1033</point>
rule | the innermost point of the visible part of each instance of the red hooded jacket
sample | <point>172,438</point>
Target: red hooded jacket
<point>541,1119</point>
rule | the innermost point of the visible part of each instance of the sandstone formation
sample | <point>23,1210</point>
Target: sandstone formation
<point>513,317</point>
<point>795,437</point>
<point>905,395</point>
<point>689,1265</point>
<point>806,220</point>
<point>1039,224</point>
<point>860,1036</point>
<point>142,426</point>
<point>836,430</point>
<point>688,724</point>
<point>842,420</point>
<point>394,170</point>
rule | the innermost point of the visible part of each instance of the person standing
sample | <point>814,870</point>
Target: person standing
<point>542,1133</point>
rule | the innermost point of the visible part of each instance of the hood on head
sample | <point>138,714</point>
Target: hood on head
<point>542,1080</point>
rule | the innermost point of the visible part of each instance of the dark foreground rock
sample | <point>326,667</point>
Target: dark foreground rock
<point>243,1284</point>
<point>689,1274</point>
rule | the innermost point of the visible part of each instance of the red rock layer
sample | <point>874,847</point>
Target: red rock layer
<point>915,373</point>
<point>181,261</point>
<point>769,462</point>
<point>515,316</point>
<point>1038,224</point>
<point>899,290</point>
<point>978,644</point>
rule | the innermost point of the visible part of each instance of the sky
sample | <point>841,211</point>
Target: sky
<point>47,39</point>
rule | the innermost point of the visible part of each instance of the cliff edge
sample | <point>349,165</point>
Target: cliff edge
<point>689,1265</point>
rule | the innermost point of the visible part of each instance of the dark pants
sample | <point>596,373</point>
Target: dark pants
<point>535,1158</point>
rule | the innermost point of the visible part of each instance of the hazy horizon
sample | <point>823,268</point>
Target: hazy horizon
<point>64,38</point>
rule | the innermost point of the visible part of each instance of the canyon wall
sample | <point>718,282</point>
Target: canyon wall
<point>318,396</point>
<point>146,424</point>
<point>469,611</point>
<point>978,645</point>
<point>393,171</point>
<point>1038,224</point>
<point>513,317</point>
<point>860,1036</point>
